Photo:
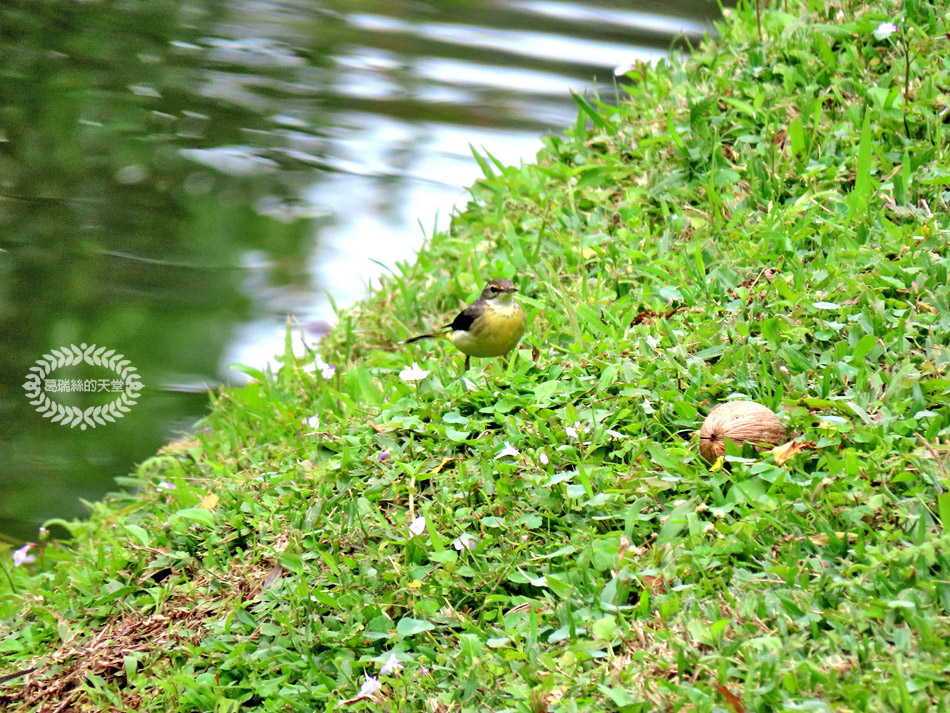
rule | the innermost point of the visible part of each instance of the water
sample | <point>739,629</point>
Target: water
<point>178,177</point>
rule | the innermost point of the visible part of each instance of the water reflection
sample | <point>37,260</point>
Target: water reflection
<point>176,177</point>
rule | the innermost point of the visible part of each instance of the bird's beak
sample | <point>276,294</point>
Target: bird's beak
<point>513,289</point>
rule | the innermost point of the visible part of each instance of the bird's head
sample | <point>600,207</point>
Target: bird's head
<point>499,290</point>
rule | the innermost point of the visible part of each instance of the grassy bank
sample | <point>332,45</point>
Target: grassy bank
<point>767,220</point>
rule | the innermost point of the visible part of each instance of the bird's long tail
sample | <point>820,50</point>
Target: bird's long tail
<point>434,335</point>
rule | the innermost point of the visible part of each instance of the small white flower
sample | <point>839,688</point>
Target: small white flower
<point>392,665</point>
<point>326,370</point>
<point>21,555</point>
<point>313,422</point>
<point>508,450</point>
<point>165,485</point>
<point>418,526</point>
<point>572,430</point>
<point>885,30</point>
<point>543,458</point>
<point>624,69</point>
<point>413,373</point>
<point>369,687</point>
<point>464,542</point>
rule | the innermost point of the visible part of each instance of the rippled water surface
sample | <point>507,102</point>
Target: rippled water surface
<point>178,177</point>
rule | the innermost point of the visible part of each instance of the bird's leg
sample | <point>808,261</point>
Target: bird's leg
<point>468,362</point>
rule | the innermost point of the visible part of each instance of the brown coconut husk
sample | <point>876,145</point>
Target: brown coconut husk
<point>739,421</point>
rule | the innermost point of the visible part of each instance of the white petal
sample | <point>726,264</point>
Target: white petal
<point>21,556</point>
<point>326,370</point>
<point>885,30</point>
<point>413,373</point>
<point>369,687</point>
<point>508,450</point>
<point>392,664</point>
<point>418,526</point>
<point>466,542</point>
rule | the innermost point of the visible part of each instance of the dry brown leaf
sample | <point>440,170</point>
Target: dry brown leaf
<point>273,574</point>
<point>787,451</point>
<point>208,501</point>
<point>656,585</point>
<point>376,427</point>
<point>622,550</point>
<point>437,706</point>
<point>731,698</point>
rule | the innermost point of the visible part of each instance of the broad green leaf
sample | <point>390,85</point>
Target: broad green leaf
<point>620,696</point>
<point>408,626</point>
<point>674,524</point>
<point>292,562</point>
<point>140,534</point>
<point>863,347</point>
<point>605,628</point>
<point>205,517</point>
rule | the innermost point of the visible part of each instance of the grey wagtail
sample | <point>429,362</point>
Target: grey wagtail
<point>491,326</point>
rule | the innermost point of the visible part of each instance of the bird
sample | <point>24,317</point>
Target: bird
<point>489,327</point>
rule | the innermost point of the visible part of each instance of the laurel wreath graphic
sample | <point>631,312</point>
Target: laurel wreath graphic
<point>73,415</point>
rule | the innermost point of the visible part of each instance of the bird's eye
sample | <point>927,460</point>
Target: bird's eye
<point>493,289</point>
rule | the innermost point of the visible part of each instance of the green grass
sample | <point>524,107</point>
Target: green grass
<point>765,220</point>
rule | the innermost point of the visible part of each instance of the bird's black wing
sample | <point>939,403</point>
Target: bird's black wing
<point>464,321</point>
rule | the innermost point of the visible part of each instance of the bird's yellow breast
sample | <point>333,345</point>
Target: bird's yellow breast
<point>495,332</point>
